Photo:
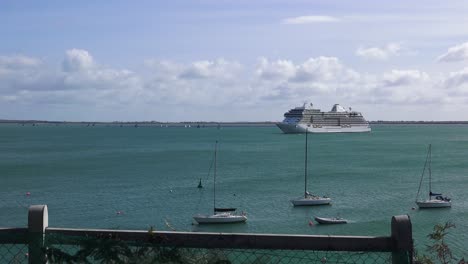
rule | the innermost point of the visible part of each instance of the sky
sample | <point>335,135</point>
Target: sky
<point>243,60</point>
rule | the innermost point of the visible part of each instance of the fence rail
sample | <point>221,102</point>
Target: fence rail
<point>39,239</point>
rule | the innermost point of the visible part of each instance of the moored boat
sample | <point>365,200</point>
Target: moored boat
<point>338,120</point>
<point>309,199</point>
<point>330,220</point>
<point>435,200</point>
<point>220,215</point>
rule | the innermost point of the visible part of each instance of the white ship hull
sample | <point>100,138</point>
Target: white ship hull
<point>434,204</point>
<point>302,128</point>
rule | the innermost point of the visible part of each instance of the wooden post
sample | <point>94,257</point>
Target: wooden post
<point>402,237</point>
<point>38,220</point>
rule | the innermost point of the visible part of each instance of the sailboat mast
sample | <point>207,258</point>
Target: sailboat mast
<point>422,174</point>
<point>430,171</point>
<point>214,182</point>
<point>305,167</point>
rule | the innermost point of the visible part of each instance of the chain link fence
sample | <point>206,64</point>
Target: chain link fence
<point>13,253</point>
<point>59,248</point>
<point>114,250</point>
<point>39,243</point>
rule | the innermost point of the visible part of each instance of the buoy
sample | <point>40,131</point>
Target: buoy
<point>200,184</point>
<point>311,223</point>
<point>28,193</point>
<point>119,212</point>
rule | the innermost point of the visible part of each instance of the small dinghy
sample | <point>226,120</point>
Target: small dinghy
<point>331,220</point>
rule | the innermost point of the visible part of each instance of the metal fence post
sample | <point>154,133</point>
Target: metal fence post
<point>38,220</point>
<point>402,237</point>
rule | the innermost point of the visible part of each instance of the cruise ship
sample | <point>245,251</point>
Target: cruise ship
<point>338,120</point>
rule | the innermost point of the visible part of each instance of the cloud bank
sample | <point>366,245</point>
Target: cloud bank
<point>185,90</point>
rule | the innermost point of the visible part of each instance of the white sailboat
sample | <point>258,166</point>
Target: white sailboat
<point>220,215</point>
<point>309,199</point>
<point>435,200</point>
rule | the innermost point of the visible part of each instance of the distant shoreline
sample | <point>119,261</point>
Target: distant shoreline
<point>209,123</point>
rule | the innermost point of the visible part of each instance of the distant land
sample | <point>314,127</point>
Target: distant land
<point>204,123</point>
<point>139,123</point>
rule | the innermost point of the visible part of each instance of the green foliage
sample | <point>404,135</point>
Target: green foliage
<point>111,249</point>
<point>439,247</point>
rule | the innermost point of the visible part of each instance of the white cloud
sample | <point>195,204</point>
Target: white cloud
<point>275,70</point>
<point>457,81</point>
<point>77,60</point>
<point>211,69</point>
<point>312,70</point>
<point>455,53</point>
<point>323,69</point>
<point>309,20</point>
<point>284,80</point>
<point>380,53</point>
<point>81,81</point>
<point>409,87</point>
<point>18,61</point>
<point>404,77</point>
<point>205,82</point>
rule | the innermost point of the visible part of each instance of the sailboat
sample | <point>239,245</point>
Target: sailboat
<point>309,199</point>
<point>220,215</point>
<point>436,200</point>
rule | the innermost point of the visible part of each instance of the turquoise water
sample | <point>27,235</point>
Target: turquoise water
<point>86,174</point>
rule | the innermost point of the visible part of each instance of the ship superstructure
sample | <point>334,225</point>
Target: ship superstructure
<point>306,118</point>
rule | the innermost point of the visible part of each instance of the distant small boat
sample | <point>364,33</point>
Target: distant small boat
<point>332,220</point>
<point>436,200</point>
<point>309,199</point>
<point>220,215</point>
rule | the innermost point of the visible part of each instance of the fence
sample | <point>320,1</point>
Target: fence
<point>39,243</point>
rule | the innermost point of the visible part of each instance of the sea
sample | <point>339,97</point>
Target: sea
<point>108,176</point>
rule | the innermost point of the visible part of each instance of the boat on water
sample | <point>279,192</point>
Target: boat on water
<point>220,215</point>
<point>338,120</point>
<point>435,200</point>
<point>308,198</point>
<point>330,220</point>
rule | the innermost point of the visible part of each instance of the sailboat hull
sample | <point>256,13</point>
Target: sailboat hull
<point>311,201</point>
<point>434,204</point>
<point>220,219</point>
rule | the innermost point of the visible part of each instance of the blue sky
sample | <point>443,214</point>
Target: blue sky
<point>232,60</point>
